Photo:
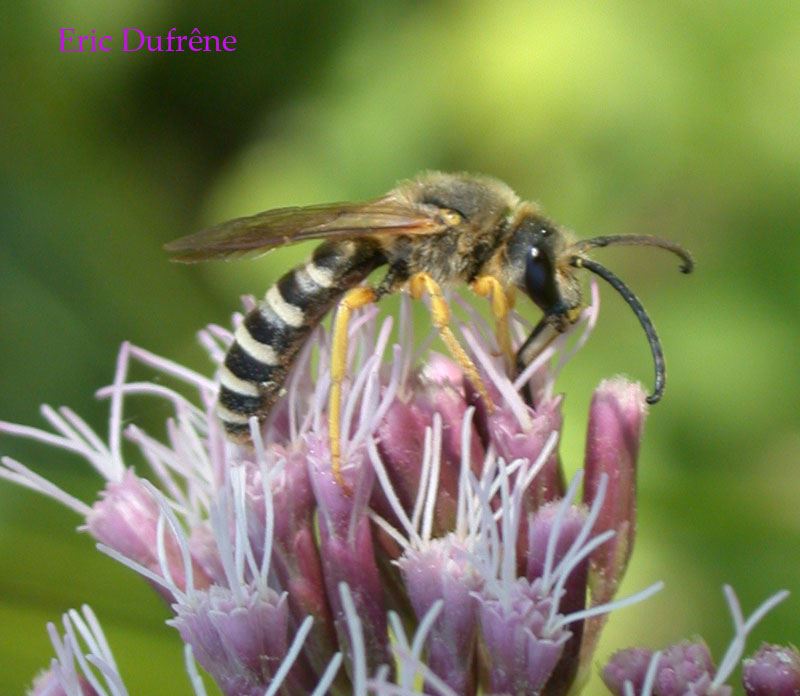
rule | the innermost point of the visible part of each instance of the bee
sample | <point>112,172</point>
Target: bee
<point>435,230</point>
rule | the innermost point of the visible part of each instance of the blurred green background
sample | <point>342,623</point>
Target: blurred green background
<point>678,119</point>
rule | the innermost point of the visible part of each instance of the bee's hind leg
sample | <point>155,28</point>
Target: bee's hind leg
<point>418,285</point>
<point>353,299</point>
<point>502,302</point>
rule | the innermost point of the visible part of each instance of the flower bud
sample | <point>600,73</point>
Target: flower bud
<point>437,389</point>
<point>627,666</point>
<point>295,558</point>
<point>519,652</point>
<point>525,438</point>
<point>540,530</point>
<point>346,545</point>
<point>48,684</point>
<point>125,519</point>
<point>443,571</point>
<point>84,664</point>
<point>239,642</point>
<point>773,671</point>
<point>616,422</point>
<point>685,668</point>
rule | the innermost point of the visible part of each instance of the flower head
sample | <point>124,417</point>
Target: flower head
<point>774,670</point>
<point>687,667</point>
<point>456,519</point>
<point>84,664</point>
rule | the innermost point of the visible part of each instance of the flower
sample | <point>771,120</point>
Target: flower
<point>456,519</point>
<point>688,668</point>
<point>774,670</point>
<point>84,664</point>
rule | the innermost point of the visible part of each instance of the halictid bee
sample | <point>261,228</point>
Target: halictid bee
<point>434,230</point>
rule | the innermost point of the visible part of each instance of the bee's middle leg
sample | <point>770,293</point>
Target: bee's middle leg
<point>502,302</point>
<point>353,299</point>
<point>421,283</point>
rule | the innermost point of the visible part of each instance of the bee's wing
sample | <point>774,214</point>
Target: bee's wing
<point>264,231</point>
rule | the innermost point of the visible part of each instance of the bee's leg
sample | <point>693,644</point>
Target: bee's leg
<point>353,299</point>
<point>542,336</point>
<point>502,303</point>
<point>421,283</point>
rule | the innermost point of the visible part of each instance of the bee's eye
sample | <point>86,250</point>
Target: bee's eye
<point>539,278</point>
<point>536,271</point>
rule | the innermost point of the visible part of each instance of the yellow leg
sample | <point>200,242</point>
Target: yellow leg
<point>353,299</point>
<point>502,302</point>
<point>422,283</point>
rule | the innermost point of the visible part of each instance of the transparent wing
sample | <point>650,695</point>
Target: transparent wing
<point>264,231</point>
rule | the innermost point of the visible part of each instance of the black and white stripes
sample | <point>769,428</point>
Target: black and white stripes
<point>267,341</point>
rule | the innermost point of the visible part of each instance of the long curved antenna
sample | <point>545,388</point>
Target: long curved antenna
<point>641,315</point>
<point>583,245</point>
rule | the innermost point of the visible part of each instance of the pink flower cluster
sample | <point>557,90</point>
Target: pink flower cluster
<point>456,524</point>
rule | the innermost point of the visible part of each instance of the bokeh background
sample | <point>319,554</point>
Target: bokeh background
<point>678,119</point>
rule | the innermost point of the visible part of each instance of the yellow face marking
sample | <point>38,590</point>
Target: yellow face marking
<point>451,218</point>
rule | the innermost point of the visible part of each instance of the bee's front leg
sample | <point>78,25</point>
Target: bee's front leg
<point>502,302</point>
<point>421,283</point>
<point>543,334</point>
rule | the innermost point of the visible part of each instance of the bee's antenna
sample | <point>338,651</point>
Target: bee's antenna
<point>641,315</point>
<point>584,245</point>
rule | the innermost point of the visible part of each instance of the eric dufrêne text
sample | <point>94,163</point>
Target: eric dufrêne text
<point>132,40</point>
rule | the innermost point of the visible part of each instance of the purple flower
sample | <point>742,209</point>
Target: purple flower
<point>84,664</point>
<point>687,667</point>
<point>442,572</point>
<point>564,527</point>
<point>773,671</point>
<point>616,423</point>
<point>455,556</point>
<point>295,557</point>
<point>346,547</point>
<point>439,571</point>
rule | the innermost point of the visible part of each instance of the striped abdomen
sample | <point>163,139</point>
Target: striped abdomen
<point>267,341</point>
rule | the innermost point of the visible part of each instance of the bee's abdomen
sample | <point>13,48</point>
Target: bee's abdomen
<point>268,339</point>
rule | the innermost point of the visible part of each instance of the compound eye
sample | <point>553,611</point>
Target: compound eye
<point>540,278</point>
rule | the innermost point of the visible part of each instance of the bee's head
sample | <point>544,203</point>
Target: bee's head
<point>536,254</point>
<point>542,261</point>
